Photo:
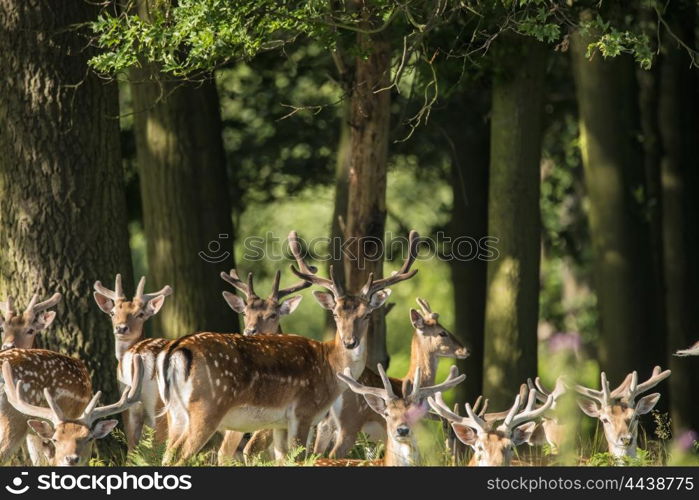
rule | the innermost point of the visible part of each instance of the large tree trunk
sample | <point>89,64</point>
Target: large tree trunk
<point>186,204</point>
<point>679,127</point>
<point>366,205</point>
<point>612,164</point>
<point>470,143</point>
<point>513,217</point>
<point>62,209</point>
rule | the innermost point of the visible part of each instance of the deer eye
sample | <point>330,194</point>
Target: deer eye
<point>30,331</point>
<point>111,313</point>
<point>604,420</point>
<point>442,333</point>
<point>273,316</point>
<point>140,314</point>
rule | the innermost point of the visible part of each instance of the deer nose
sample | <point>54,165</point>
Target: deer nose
<point>9,345</point>
<point>403,431</point>
<point>351,344</point>
<point>250,331</point>
<point>121,329</point>
<point>625,440</point>
<point>71,459</point>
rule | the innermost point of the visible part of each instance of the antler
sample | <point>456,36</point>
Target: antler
<point>279,294</point>
<point>129,397</point>
<point>235,280</point>
<point>515,418</point>
<point>33,308</point>
<point>117,293</point>
<point>145,297</point>
<point>472,420</point>
<point>53,413</point>
<point>386,393</point>
<point>308,273</point>
<point>404,273</point>
<point>542,394</point>
<point>8,307</point>
<point>418,393</point>
<point>426,310</point>
<point>690,351</point>
<point>604,396</point>
<point>635,388</point>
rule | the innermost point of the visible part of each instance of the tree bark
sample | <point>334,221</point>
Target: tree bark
<point>62,209</point>
<point>513,217</point>
<point>470,142</point>
<point>366,205</point>
<point>679,127</point>
<point>186,205</point>
<point>612,165</point>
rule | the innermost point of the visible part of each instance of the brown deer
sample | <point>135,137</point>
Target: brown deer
<point>67,381</point>
<point>401,415</point>
<point>214,381</point>
<point>619,411</point>
<point>260,316</point>
<point>493,444</point>
<point>19,329</point>
<point>550,430</point>
<point>73,425</point>
<point>128,318</point>
<point>350,413</point>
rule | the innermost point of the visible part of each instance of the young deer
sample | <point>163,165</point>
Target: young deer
<point>214,381</point>
<point>67,381</point>
<point>350,413</point>
<point>493,444</point>
<point>128,318</point>
<point>261,316</point>
<point>550,430</point>
<point>73,426</point>
<point>20,329</point>
<point>400,414</point>
<point>618,410</point>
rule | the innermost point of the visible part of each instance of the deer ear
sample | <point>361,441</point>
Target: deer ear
<point>154,305</point>
<point>235,302</point>
<point>416,319</point>
<point>465,433</point>
<point>647,403</point>
<point>45,319</point>
<point>325,299</point>
<point>523,433</point>
<point>375,403</point>
<point>589,407</point>
<point>42,429</point>
<point>104,303</point>
<point>378,299</point>
<point>290,305</point>
<point>103,428</point>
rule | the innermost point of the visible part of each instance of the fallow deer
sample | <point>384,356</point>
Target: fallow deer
<point>350,413</point>
<point>19,329</point>
<point>128,318</point>
<point>401,415</point>
<point>619,411</point>
<point>550,430</point>
<point>67,381</point>
<point>260,316</point>
<point>73,425</point>
<point>214,381</point>
<point>493,444</point>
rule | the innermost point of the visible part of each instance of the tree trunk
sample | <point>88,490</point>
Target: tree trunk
<point>679,109</point>
<point>366,205</point>
<point>186,205</point>
<point>512,303</point>
<point>63,208</point>
<point>612,165</point>
<point>470,142</point>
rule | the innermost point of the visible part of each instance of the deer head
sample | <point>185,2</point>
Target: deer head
<point>401,414</point>
<point>492,444</point>
<point>262,315</point>
<point>19,329</point>
<point>432,336</point>
<point>351,310</point>
<point>128,316</point>
<point>618,410</point>
<point>550,430</point>
<point>68,442</point>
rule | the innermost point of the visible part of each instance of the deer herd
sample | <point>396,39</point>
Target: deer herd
<point>286,390</point>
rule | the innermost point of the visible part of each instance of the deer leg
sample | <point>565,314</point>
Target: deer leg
<point>12,432</point>
<point>280,444</point>
<point>299,434</point>
<point>229,446</point>
<point>204,420</point>
<point>345,438</point>
<point>133,424</point>
<point>258,444</point>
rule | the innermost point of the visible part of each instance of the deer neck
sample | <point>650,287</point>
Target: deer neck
<point>619,452</point>
<point>425,360</point>
<point>401,454</point>
<point>339,357</point>
<point>123,345</point>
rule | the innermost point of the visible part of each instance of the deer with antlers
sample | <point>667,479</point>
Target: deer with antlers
<point>128,318</point>
<point>351,413</point>
<point>69,429</point>
<point>619,411</point>
<point>19,329</point>
<point>261,316</point>
<point>216,381</point>
<point>493,443</point>
<point>401,415</point>
<point>550,430</point>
